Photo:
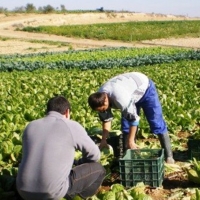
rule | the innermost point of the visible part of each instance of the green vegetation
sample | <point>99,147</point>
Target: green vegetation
<point>49,42</point>
<point>91,54</point>
<point>94,59</point>
<point>24,96</point>
<point>30,8</point>
<point>127,31</point>
<point>4,38</point>
<point>28,81</point>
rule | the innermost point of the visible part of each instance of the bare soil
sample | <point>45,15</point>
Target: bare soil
<point>12,41</point>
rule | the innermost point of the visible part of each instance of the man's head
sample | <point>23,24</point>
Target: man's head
<point>98,101</point>
<point>59,104</point>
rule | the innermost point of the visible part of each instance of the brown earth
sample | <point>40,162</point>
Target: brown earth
<point>12,41</point>
<point>175,185</point>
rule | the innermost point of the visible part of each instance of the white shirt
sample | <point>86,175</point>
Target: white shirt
<point>124,91</point>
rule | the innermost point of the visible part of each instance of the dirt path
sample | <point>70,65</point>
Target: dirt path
<point>12,41</point>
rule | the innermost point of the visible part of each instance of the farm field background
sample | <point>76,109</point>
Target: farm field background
<point>12,41</point>
<point>28,81</point>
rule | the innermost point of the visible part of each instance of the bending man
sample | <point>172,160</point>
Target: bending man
<point>129,92</point>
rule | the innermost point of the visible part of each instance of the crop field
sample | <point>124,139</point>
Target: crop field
<point>129,31</point>
<point>28,81</point>
<point>25,91</point>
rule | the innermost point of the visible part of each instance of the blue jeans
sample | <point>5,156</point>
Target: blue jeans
<point>152,110</point>
<point>85,179</point>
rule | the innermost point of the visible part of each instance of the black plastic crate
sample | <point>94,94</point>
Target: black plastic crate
<point>115,141</point>
<point>95,138</point>
<point>194,149</point>
<point>117,144</point>
<point>142,165</point>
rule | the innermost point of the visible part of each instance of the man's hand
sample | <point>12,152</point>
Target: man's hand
<point>103,144</point>
<point>132,145</point>
<point>131,138</point>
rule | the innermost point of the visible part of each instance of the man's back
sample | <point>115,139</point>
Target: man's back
<point>124,88</point>
<point>48,154</point>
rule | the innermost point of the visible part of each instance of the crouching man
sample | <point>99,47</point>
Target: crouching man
<point>48,149</point>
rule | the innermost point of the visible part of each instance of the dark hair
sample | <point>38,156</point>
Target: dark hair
<point>59,104</point>
<point>96,99</point>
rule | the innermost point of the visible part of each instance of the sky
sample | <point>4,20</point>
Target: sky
<point>189,8</point>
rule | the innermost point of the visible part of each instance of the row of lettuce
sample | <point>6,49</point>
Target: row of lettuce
<point>24,95</point>
<point>24,92</point>
<point>96,58</point>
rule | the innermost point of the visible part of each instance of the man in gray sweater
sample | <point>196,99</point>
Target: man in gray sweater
<point>129,92</point>
<point>46,170</point>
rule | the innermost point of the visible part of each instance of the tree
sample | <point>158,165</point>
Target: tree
<point>48,9</point>
<point>2,10</point>
<point>19,9</point>
<point>40,9</point>
<point>62,8</point>
<point>30,7</point>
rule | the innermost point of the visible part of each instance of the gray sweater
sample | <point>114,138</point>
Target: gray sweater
<point>49,146</point>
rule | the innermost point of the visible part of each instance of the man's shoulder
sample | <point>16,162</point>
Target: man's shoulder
<point>33,123</point>
<point>72,122</point>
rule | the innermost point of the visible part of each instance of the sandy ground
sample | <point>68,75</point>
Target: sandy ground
<point>12,41</point>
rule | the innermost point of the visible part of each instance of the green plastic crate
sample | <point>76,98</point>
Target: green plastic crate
<point>142,165</point>
<point>194,149</point>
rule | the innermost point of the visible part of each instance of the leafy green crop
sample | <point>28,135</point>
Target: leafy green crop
<point>24,95</point>
<point>106,62</point>
<point>90,54</point>
<point>127,31</point>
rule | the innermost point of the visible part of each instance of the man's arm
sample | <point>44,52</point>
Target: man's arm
<point>84,143</point>
<point>131,138</point>
<point>133,119</point>
<point>106,118</point>
<point>106,126</point>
